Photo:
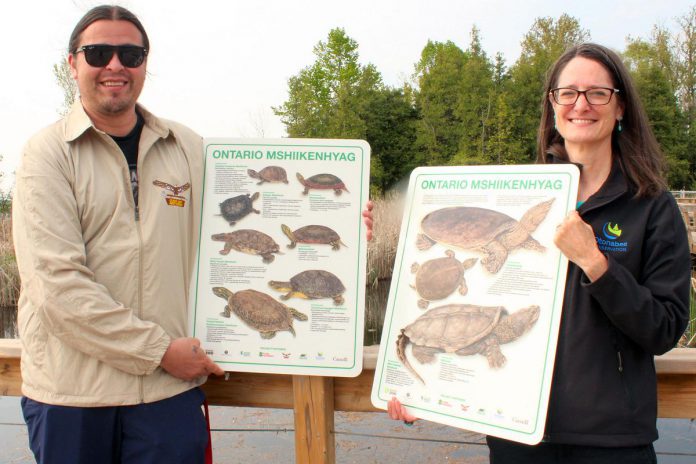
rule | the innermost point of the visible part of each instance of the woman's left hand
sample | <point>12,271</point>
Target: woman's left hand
<point>576,240</point>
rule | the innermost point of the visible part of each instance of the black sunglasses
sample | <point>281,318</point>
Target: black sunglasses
<point>130,56</point>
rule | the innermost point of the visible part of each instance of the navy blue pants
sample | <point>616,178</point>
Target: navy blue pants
<point>171,431</point>
<point>509,452</point>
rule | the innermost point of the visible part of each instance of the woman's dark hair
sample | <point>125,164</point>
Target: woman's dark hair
<point>110,12</point>
<point>635,145</point>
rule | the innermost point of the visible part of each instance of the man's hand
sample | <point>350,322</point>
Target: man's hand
<point>367,218</point>
<point>398,411</point>
<point>184,359</point>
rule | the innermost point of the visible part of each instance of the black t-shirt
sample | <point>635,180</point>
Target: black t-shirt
<point>129,147</point>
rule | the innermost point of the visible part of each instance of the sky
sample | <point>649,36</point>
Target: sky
<point>219,66</point>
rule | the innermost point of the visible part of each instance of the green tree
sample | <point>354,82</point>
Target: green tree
<point>438,77</point>
<point>391,131</point>
<point>541,46</point>
<point>475,105</point>
<point>339,98</point>
<point>64,78</point>
<point>652,65</point>
<point>685,51</point>
<point>328,98</point>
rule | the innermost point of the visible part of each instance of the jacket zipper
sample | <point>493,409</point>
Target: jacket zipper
<point>136,217</point>
<point>618,355</point>
<point>138,228</point>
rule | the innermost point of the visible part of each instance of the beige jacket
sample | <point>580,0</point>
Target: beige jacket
<point>103,293</point>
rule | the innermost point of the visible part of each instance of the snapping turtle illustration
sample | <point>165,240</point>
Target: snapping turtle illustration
<point>235,208</point>
<point>438,278</point>
<point>269,174</point>
<point>313,234</point>
<point>463,329</point>
<point>313,284</point>
<point>483,230</point>
<point>259,311</point>
<point>248,241</point>
<point>322,182</point>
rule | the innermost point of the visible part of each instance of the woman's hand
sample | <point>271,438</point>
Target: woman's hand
<point>398,411</point>
<point>576,240</point>
<point>367,217</point>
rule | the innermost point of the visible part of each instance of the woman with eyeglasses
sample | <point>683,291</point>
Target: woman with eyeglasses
<point>627,288</point>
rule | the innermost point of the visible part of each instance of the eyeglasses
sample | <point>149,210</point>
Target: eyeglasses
<point>594,96</point>
<point>130,56</point>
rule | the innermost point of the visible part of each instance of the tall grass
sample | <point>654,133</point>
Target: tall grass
<point>381,252</point>
<point>9,276</point>
<point>9,279</point>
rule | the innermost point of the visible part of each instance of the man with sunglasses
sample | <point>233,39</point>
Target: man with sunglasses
<point>105,225</point>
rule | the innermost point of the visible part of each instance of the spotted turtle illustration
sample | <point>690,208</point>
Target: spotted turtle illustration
<point>235,208</point>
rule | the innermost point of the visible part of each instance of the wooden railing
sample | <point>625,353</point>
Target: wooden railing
<point>314,399</point>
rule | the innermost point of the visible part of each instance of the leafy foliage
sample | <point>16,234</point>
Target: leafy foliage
<point>462,107</point>
<point>64,78</point>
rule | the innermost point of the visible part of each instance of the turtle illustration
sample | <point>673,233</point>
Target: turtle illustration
<point>322,182</point>
<point>465,330</point>
<point>313,285</point>
<point>269,174</point>
<point>438,278</point>
<point>235,208</point>
<point>259,311</point>
<point>313,234</point>
<point>248,241</point>
<point>483,230</point>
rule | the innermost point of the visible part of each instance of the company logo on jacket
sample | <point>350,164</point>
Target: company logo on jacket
<point>609,241</point>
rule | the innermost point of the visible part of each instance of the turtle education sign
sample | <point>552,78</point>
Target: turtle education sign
<point>280,278</point>
<point>475,302</point>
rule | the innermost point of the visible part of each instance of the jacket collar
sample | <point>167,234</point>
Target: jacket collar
<point>615,185</point>
<point>77,122</point>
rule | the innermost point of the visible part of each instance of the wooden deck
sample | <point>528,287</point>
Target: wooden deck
<point>315,399</point>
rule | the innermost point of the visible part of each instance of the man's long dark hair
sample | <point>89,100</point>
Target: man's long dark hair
<point>109,12</point>
<point>635,145</point>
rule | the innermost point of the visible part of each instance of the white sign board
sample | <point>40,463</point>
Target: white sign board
<point>280,278</point>
<point>475,302</point>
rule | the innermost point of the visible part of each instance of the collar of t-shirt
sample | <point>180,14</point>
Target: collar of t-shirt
<point>129,146</point>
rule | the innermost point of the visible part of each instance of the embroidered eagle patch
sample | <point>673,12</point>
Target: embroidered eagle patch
<point>174,198</point>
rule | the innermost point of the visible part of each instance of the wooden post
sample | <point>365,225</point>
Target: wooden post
<point>314,420</point>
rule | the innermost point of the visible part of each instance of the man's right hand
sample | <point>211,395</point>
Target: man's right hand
<point>185,359</point>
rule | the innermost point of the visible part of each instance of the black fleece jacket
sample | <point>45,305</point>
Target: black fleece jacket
<point>604,390</point>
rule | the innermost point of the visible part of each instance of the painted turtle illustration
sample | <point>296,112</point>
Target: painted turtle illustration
<point>465,330</point>
<point>483,230</point>
<point>248,241</point>
<point>313,284</point>
<point>269,174</point>
<point>313,234</point>
<point>322,182</point>
<point>438,278</point>
<point>259,311</point>
<point>235,208</point>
